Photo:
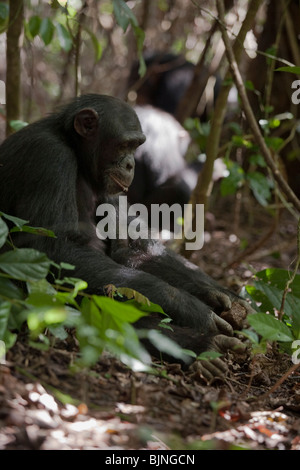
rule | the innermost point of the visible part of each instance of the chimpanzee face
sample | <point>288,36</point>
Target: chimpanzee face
<point>119,172</point>
<point>109,146</point>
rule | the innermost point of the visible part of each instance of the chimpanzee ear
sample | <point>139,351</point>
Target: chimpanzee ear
<point>86,122</point>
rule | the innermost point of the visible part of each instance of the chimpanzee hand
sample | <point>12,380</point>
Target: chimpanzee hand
<point>221,325</point>
<point>220,299</point>
<point>210,369</point>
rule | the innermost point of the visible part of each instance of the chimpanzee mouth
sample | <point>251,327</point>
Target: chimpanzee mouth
<point>121,185</point>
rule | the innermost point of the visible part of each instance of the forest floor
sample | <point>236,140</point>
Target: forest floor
<point>45,404</point>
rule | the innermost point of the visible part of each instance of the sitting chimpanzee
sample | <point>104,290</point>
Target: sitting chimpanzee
<point>162,174</point>
<point>56,172</point>
<point>167,79</point>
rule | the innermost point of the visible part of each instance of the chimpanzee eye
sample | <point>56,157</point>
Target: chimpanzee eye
<point>124,146</point>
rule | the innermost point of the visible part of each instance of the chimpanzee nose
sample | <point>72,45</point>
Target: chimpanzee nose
<point>130,166</point>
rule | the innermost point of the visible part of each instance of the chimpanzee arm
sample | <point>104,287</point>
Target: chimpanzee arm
<point>98,270</point>
<point>153,258</point>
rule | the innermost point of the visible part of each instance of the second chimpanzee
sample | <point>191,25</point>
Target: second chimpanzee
<point>162,174</point>
<point>167,79</point>
<point>55,173</point>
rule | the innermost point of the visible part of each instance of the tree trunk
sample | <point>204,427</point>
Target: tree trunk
<point>204,185</point>
<point>13,70</point>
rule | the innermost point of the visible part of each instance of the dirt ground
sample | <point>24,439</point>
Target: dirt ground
<point>46,404</point>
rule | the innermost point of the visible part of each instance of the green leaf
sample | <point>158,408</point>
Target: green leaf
<point>17,124</point>
<point>209,355</point>
<point>35,230</point>
<point>9,340</point>
<point>274,143</point>
<point>44,316</point>
<point>5,335</point>
<point>270,54</point>
<point>42,344</point>
<point>257,159</point>
<point>25,264</point>
<point>251,335</point>
<point>9,290</point>
<point>295,317</point>
<point>233,181</point>
<point>166,345</point>
<point>125,344</point>
<point>69,267</point>
<point>104,325</point>
<point>59,332</point>
<point>279,278</point>
<point>142,66</point>
<point>257,293</point>
<point>124,15</point>
<point>96,44</point>
<point>42,299</point>
<point>136,299</point>
<point>18,222</point>
<point>46,30</point>
<point>34,25</point>
<point>249,85</point>
<point>240,141</point>
<point>120,311</point>
<point>189,353</point>
<point>274,123</point>
<point>41,293</point>
<point>164,323</point>
<point>260,187</point>
<point>236,128</point>
<point>91,314</point>
<point>4,10</point>
<point>270,285</point>
<point>64,37</point>
<point>41,286</point>
<point>268,291</point>
<point>270,328</point>
<point>295,70</point>
<point>97,47</point>
<point>79,285</point>
<point>4,315</point>
<point>3,232</point>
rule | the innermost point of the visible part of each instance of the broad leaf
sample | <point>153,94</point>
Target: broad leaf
<point>4,315</point>
<point>295,70</point>
<point>34,24</point>
<point>64,37</point>
<point>260,187</point>
<point>4,10</point>
<point>25,264</point>
<point>15,220</point>
<point>3,232</point>
<point>46,30</point>
<point>270,328</point>
<point>9,290</point>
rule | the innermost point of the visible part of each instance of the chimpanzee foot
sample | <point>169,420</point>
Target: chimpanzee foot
<point>209,368</point>
<point>212,368</point>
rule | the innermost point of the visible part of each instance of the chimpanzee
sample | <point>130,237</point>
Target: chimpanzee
<point>55,173</point>
<point>167,78</point>
<point>162,174</point>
